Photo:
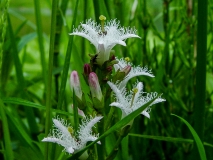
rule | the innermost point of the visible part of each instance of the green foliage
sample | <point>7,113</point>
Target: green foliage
<point>199,143</point>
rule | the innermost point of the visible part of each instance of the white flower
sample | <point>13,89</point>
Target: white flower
<point>134,100</point>
<point>104,41</point>
<point>135,71</point>
<point>63,135</point>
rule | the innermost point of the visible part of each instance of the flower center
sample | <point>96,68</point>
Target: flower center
<point>134,90</point>
<point>70,129</point>
<point>102,19</point>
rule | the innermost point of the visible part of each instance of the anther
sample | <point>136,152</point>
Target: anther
<point>127,59</point>
<point>70,129</point>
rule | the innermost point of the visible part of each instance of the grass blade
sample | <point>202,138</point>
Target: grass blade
<point>198,142</point>
<point>67,62</point>
<point>8,147</point>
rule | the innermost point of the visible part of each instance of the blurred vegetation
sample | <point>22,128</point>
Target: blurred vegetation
<point>168,46</point>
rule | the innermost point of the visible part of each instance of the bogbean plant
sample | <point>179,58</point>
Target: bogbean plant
<point>104,74</point>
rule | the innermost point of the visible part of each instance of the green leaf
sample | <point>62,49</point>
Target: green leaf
<point>168,139</point>
<point>118,125</point>
<point>23,102</point>
<point>198,142</point>
<point>161,138</point>
<point>7,141</point>
<point>25,39</point>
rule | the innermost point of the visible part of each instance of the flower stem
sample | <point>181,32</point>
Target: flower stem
<point>40,39</point>
<point>201,72</point>
<point>67,62</point>
<point>123,134</point>
<point>49,78</point>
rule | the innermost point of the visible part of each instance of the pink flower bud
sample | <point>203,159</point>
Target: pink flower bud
<point>94,86</point>
<point>126,69</point>
<point>75,84</point>
<point>87,69</point>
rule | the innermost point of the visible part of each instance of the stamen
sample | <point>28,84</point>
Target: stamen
<point>127,59</point>
<point>102,19</point>
<point>134,90</point>
<point>70,129</point>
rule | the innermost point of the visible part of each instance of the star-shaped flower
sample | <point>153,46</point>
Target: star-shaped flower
<point>134,72</point>
<point>134,100</point>
<point>105,40</point>
<point>63,135</point>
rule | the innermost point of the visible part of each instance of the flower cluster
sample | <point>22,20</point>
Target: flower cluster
<point>97,75</point>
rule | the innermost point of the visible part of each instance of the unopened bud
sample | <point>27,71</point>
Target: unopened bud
<point>94,86</point>
<point>112,57</point>
<point>126,69</point>
<point>109,69</point>
<point>87,69</point>
<point>75,84</point>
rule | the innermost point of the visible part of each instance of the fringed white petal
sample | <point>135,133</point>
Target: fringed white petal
<point>85,130</point>
<point>118,92</point>
<point>86,36</point>
<point>135,71</point>
<point>63,129</point>
<point>146,114</point>
<point>126,36</point>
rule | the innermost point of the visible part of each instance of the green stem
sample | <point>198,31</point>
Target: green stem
<point>59,22</point>
<point>101,151</point>
<point>40,40</point>
<point>75,110</point>
<point>50,70</point>
<point>7,141</point>
<point>123,134</point>
<point>201,72</point>
<point>67,62</point>
<point>109,118</point>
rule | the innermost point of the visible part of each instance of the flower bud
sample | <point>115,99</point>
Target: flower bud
<point>109,69</point>
<point>75,84</point>
<point>87,70</point>
<point>94,86</point>
<point>126,69</point>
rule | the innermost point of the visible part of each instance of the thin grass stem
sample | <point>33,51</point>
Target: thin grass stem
<point>49,78</point>
<point>199,109</point>
<point>40,39</point>
<point>67,62</point>
<point>7,141</point>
